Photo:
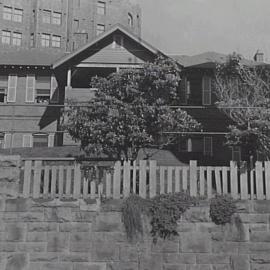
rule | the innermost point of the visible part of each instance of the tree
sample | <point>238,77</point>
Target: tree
<point>130,111</point>
<point>243,93</point>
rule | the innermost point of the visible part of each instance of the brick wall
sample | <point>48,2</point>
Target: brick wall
<point>86,235</point>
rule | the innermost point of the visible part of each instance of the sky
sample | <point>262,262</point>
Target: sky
<point>194,26</point>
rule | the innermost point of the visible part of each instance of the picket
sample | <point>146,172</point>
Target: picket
<point>267,180</point>
<point>209,182</point>
<point>202,181</point>
<point>126,179</point>
<point>177,179</point>
<point>46,181</point>
<point>218,180</point>
<point>243,182</point>
<point>162,180</point>
<point>117,180</point>
<point>234,179</point>
<point>68,181</point>
<point>193,178</point>
<point>142,179</point>
<point>27,178</point>
<point>170,180</point>
<point>37,179</point>
<point>152,178</point>
<point>259,180</point>
<point>225,180</point>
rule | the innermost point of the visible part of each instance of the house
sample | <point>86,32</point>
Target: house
<point>198,95</point>
<point>35,84</point>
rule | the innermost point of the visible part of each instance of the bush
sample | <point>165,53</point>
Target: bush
<point>222,207</point>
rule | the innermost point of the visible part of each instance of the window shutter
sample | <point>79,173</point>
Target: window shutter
<point>7,141</point>
<point>183,91</point>
<point>206,87</point>
<point>54,90</point>
<point>12,86</point>
<point>27,140</point>
<point>51,140</point>
<point>30,88</point>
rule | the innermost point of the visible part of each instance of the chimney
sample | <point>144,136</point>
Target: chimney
<point>258,57</point>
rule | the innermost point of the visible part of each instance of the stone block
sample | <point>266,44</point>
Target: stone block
<point>128,254</point>
<point>167,266</point>
<point>2,204</point>
<point>225,247</point>
<point>108,222</point>
<point>197,214</point>
<point>16,261</point>
<point>36,237</point>
<point>258,218</point>
<point>237,231</point>
<point>212,259</point>
<point>109,236</point>
<point>260,266</point>
<point>165,246</point>
<point>244,206</point>
<point>80,242</point>
<point>83,216</point>
<point>260,237</point>
<point>104,251</point>
<point>57,266</point>
<point>57,242</point>
<point>18,205</point>
<point>42,227</point>
<point>179,258</point>
<point>222,267</point>
<point>258,227</point>
<point>89,266</point>
<point>240,262</point>
<point>122,266</point>
<point>75,227</point>
<point>261,207</point>
<point>199,267</point>
<point>43,257</point>
<point>34,266</point>
<point>151,261</point>
<point>7,247</point>
<point>31,247</point>
<point>57,214</point>
<point>195,242</point>
<point>15,232</point>
<point>260,259</point>
<point>259,248</point>
<point>207,227</point>
<point>31,216</point>
<point>75,257</point>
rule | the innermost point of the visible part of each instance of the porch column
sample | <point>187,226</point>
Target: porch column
<point>189,145</point>
<point>69,78</point>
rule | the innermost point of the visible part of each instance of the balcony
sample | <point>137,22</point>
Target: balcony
<point>79,94</point>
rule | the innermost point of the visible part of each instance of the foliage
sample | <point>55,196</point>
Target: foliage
<point>130,111</point>
<point>222,207</point>
<point>243,93</point>
<point>164,211</point>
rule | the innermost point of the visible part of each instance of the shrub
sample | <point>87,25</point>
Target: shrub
<point>222,207</point>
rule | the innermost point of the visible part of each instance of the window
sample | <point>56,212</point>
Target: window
<point>32,40</point>
<point>3,88</point>
<point>130,20</point>
<point>6,37</point>
<point>76,25</point>
<point>2,95</point>
<point>40,140</point>
<point>206,90</point>
<point>208,146</point>
<point>57,18</point>
<point>100,29</point>
<point>46,16</point>
<point>185,144</point>
<point>101,8</point>
<point>18,15</point>
<point>7,13</point>
<point>2,140</point>
<point>236,153</point>
<point>118,42</point>
<point>184,91</point>
<point>56,41</point>
<point>17,39</point>
<point>43,89</point>
<point>12,88</point>
<point>45,40</point>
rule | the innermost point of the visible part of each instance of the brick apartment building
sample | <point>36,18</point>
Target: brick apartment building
<point>62,25</point>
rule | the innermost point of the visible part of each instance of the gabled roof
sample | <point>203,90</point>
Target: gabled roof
<point>208,60</point>
<point>31,57</point>
<point>116,28</point>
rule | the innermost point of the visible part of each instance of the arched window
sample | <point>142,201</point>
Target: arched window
<point>130,20</point>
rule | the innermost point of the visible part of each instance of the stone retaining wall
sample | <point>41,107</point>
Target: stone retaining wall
<point>87,235</point>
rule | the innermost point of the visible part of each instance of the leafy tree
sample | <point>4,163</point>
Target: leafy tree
<point>130,111</point>
<point>243,93</point>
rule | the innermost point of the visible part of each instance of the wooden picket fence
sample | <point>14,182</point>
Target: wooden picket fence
<point>68,179</point>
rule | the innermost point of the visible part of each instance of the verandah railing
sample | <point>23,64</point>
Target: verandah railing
<point>54,178</point>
